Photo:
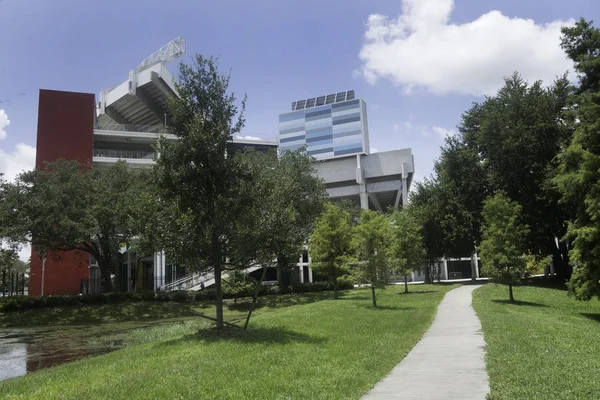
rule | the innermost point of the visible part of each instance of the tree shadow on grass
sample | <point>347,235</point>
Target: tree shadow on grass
<point>417,292</point>
<point>280,301</point>
<point>275,335</point>
<point>546,282</point>
<point>593,317</point>
<point>519,303</point>
<point>354,298</point>
<point>384,308</point>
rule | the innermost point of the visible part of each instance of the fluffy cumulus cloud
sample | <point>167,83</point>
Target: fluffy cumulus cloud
<point>4,122</point>
<point>422,49</point>
<point>21,158</point>
<point>12,163</point>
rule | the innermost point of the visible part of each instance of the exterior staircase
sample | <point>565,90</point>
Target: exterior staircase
<point>193,281</point>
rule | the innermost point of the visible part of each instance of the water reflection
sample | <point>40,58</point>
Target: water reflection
<point>24,350</point>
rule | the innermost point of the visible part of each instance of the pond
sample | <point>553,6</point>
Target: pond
<point>24,350</point>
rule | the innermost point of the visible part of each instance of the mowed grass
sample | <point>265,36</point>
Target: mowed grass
<point>148,310</point>
<point>546,346</point>
<point>329,349</point>
<point>95,314</point>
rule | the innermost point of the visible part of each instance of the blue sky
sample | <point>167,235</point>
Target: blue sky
<point>417,63</point>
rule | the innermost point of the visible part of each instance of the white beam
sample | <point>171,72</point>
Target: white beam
<point>375,201</point>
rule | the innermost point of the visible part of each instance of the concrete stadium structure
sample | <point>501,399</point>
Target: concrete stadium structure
<point>124,124</point>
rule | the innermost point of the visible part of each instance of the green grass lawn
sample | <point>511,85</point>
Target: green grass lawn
<point>328,349</point>
<point>546,346</point>
<point>94,314</point>
<point>148,310</point>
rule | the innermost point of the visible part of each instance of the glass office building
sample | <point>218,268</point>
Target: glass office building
<point>329,126</point>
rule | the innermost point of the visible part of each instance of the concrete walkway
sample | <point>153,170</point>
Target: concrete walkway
<point>448,362</point>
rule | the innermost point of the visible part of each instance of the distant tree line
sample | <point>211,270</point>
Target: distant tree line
<point>521,180</point>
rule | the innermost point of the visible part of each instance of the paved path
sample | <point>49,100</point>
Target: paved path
<point>447,363</point>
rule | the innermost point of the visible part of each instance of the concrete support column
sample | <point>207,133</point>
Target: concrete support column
<point>476,265</point>
<point>129,269</point>
<point>310,276</point>
<point>163,271</point>
<point>404,185</point>
<point>159,270</point>
<point>364,198</point>
<point>301,269</point>
<point>445,268</point>
<point>362,187</point>
<point>155,271</point>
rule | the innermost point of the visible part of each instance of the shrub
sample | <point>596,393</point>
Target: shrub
<point>19,303</point>
<point>205,294</point>
<point>96,298</point>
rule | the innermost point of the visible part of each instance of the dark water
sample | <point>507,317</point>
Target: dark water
<point>24,350</point>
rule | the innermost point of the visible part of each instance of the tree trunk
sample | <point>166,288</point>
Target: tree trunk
<point>510,293</point>
<point>255,297</point>
<point>560,260</point>
<point>405,284</point>
<point>428,274</point>
<point>104,266</point>
<point>373,294</point>
<point>335,288</point>
<point>218,295</point>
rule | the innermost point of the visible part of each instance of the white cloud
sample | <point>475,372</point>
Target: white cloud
<point>247,137</point>
<point>4,122</point>
<point>421,49</point>
<point>22,158</point>
<point>442,132</point>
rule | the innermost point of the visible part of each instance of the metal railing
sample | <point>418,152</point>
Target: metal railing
<point>134,128</point>
<point>192,281</point>
<point>149,155</point>
<point>188,281</point>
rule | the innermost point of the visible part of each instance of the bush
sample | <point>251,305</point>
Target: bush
<point>97,298</point>
<point>205,294</point>
<point>20,303</point>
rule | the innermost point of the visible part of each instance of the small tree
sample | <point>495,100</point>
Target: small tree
<point>330,244</point>
<point>68,206</point>
<point>406,249</point>
<point>284,197</point>
<point>503,244</point>
<point>371,241</point>
<point>197,174</point>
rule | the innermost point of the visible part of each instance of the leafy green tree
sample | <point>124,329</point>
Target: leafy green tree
<point>330,244</point>
<point>427,208</point>
<point>516,136</point>
<point>446,222</point>
<point>504,240</point>
<point>578,177</point>
<point>406,250</point>
<point>68,206</point>
<point>371,241</point>
<point>284,197</point>
<point>463,186</point>
<point>197,174</point>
